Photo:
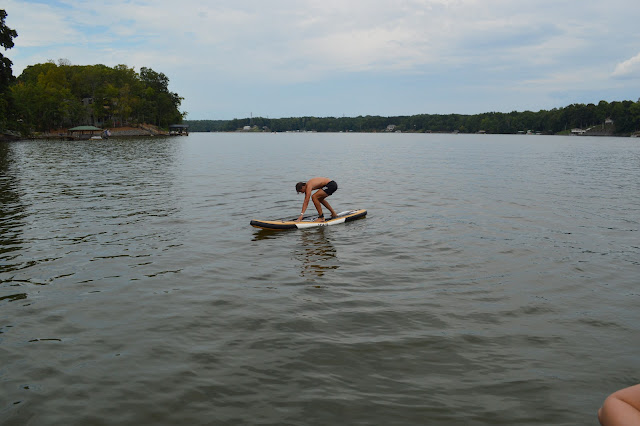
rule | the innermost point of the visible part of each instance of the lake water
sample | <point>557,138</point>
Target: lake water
<point>495,280</point>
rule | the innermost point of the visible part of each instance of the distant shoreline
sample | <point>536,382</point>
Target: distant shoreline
<point>604,119</point>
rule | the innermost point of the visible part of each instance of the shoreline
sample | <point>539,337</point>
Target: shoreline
<point>151,131</point>
<point>116,133</point>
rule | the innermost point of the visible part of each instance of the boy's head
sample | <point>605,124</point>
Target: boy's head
<point>300,186</point>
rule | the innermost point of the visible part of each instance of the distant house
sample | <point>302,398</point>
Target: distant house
<point>608,121</point>
<point>578,132</point>
<point>391,127</point>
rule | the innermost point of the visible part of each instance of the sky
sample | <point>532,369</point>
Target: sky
<point>334,58</point>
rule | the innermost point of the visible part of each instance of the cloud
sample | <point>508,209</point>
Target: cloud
<point>39,24</point>
<point>276,40</point>
<point>628,69</point>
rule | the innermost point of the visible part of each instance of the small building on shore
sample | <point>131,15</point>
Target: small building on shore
<point>179,130</point>
<point>84,132</point>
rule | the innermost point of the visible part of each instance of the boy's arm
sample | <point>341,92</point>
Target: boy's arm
<point>307,196</point>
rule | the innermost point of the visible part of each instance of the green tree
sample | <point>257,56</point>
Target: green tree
<point>634,111</point>
<point>6,75</point>
<point>6,40</point>
<point>160,105</point>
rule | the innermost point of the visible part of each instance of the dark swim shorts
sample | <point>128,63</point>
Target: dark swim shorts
<point>330,188</point>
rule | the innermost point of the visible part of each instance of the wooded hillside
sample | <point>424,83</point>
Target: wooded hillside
<point>52,96</point>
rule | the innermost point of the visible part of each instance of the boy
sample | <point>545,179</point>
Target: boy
<point>325,187</point>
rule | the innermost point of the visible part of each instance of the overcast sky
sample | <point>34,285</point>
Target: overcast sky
<point>331,58</point>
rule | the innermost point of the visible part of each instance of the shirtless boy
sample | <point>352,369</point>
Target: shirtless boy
<point>325,187</point>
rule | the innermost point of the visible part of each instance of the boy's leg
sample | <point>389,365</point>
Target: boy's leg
<point>327,205</point>
<point>318,201</point>
<point>621,407</point>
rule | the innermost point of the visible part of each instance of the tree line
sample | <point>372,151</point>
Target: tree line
<point>624,116</point>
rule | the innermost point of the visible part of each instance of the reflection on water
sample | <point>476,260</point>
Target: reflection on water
<point>11,223</point>
<point>267,234</point>
<point>80,202</point>
<point>316,253</point>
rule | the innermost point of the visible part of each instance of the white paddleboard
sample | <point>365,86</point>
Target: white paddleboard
<point>309,221</point>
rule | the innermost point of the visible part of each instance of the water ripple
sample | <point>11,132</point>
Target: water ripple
<point>492,282</point>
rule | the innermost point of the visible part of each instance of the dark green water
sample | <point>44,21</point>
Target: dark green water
<point>494,281</point>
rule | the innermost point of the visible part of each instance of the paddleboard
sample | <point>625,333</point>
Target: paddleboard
<point>309,221</point>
